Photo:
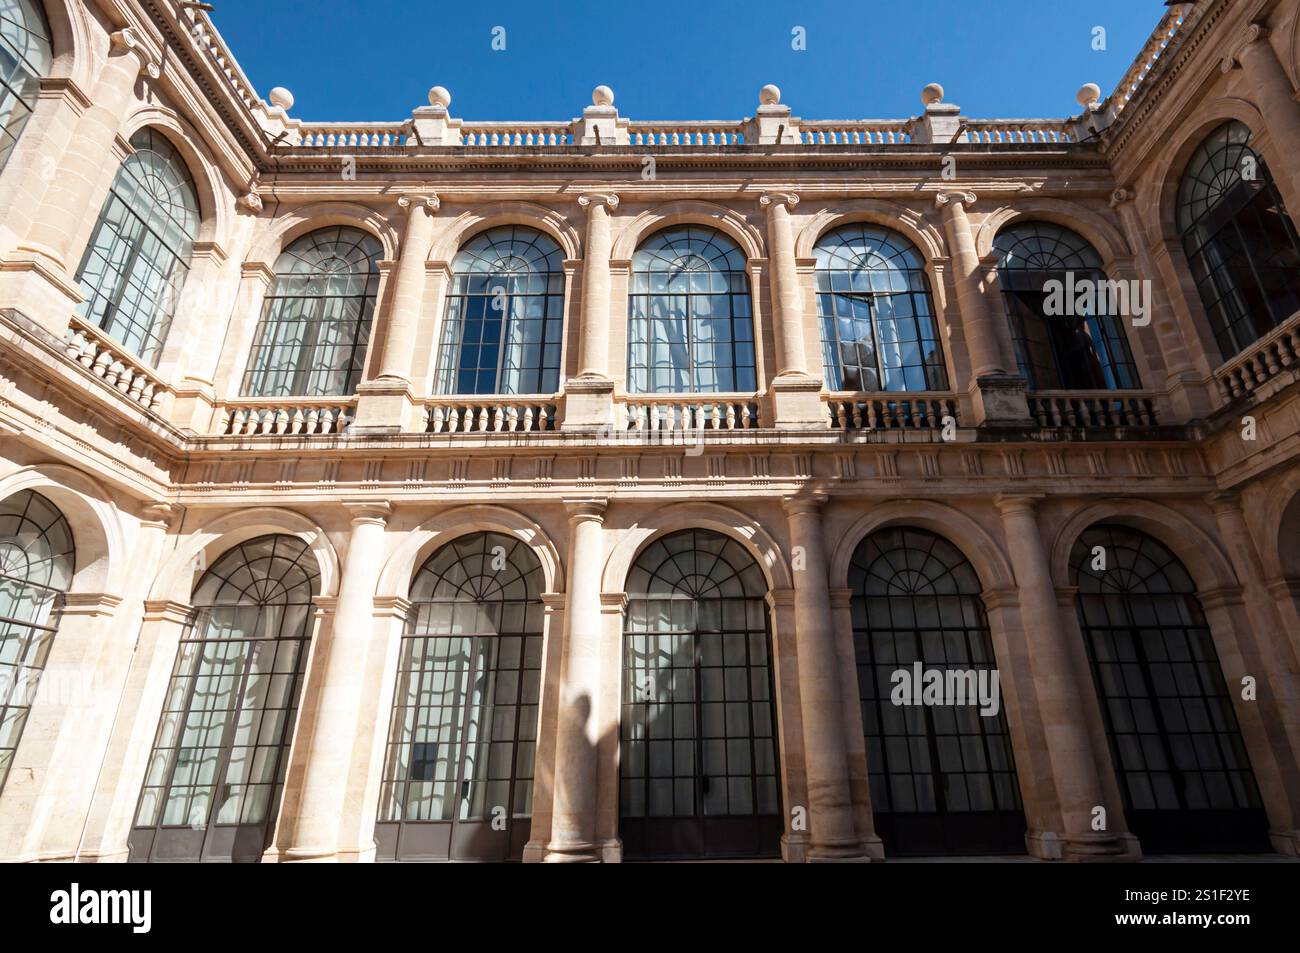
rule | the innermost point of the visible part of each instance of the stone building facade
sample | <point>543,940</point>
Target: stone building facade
<point>601,489</point>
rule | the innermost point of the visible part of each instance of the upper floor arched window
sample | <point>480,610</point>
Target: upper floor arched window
<point>505,315</point>
<point>690,327</point>
<point>877,322</point>
<point>1063,339</point>
<point>36,566</point>
<point>135,266</point>
<point>1240,241</point>
<point>311,340</point>
<point>25,57</point>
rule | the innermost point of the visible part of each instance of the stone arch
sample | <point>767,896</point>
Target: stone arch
<point>1280,549</point>
<point>282,232</point>
<point>459,230</point>
<point>1196,549</point>
<point>1161,203</point>
<point>910,224</point>
<point>1102,234</point>
<point>728,221</point>
<point>697,515</point>
<point>202,546</point>
<point>70,38</point>
<point>975,542</point>
<point>97,534</point>
<point>214,208</point>
<point>419,544</point>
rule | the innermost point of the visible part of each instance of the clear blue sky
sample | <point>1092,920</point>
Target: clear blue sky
<point>351,60</point>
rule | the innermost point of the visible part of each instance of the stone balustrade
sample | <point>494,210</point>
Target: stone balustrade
<point>992,132</point>
<point>885,132</point>
<point>1275,357</point>
<point>288,417</point>
<point>508,134</point>
<point>669,414</point>
<point>105,358</point>
<point>685,133</point>
<point>1094,410</point>
<point>359,135</point>
<point>910,411</point>
<point>494,414</point>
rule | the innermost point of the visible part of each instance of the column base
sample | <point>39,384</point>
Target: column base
<point>1083,848</point>
<point>588,405</point>
<point>998,400</point>
<point>797,403</point>
<point>386,405</point>
<point>1286,843</point>
<point>795,847</point>
<point>575,853</point>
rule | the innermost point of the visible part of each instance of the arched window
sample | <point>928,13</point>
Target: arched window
<point>36,566</point>
<point>690,327</point>
<point>311,341</point>
<point>877,322</point>
<point>1183,771</point>
<point>1059,344</point>
<point>135,266</point>
<point>1239,239</point>
<point>25,57</point>
<point>505,315</point>
<point>458,773</point>
<point>698,767</point>
<point>213,784</point>
<point>943,778</point>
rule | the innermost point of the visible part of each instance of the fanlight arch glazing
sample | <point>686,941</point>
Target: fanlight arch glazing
<point>505,315</point>
<point>1058,345</point>
<point>214,780</point>
<point>135,266</point>
<point>26,55</point>
<point>877,320</point>
<point>690,323</point>
<point>1240,239</point>
<point>316,320</point>
<point>37,560</point>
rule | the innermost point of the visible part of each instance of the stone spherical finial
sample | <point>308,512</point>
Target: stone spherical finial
<point>1088,94</point>
<point>769,95</point>
<point>438,96</point>
<point>281,97</point>
<point>932,94</point>
<point>602,96</point>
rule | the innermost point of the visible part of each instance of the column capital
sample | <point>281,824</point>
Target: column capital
<point>90,604</point>
<point>127,40</point>
<point>1253,34</point>
<point>596,199</point>
<point>1221,597</point>
<point>995,599</point>
<point>586,509</point>
<point>780,599</point>
<point>954,200</point>
<point>1125,195</point>
<point>1065,596</point>
<point>553,601</point>
<point>808,505</point>
<point>257,270</point>
<point>368,511</point>
<point>842,597</point>
<point>167,610</point>
<point>157,515</point>
<point>775,200</point>
<point>613,603</point>
<point>429,203</point>
<point>1012,503</point>
<point>1223,500</point>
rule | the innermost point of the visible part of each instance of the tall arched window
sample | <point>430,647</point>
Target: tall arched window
<point>1182,768</point>
<point>690,327</point>
<point>36,566</point>
<point>1239,239</point>
<point>213,784</point>
<point>943,778</point>
<point>877,322</point>
<point>135,266</point>
<point>1083,349</point>
<point>25,57</point>
<point>458,773</point>
<point>698,767</point>
<point>505,315</point>
<point>311,340</point>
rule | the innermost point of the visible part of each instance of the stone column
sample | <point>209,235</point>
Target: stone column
<point>589,400</point>
<point>796,393</point>
<point>998,392</point>
<point>830,805</point>
<point>855,741</point>
<point>573,821</point>
<point>1275,97</point>
<point>1069,750</point>
<point>329,739</point>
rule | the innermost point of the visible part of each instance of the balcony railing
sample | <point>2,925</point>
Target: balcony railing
<point>508,134</point>
<point>94,350</point>
<point>1272,356</point>
<point>1095,409</point>
<point>285,417</point>
<point>900,411</point>
<point>490,414</point>
<point>652,413</point>
<point>1016,131</point>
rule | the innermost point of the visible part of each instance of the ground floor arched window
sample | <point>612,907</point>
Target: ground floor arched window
<point>698,752</point>
<point>943,778</point>
<point>1182,767</point>
<point>458,772</point>
<point>212,788</point>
